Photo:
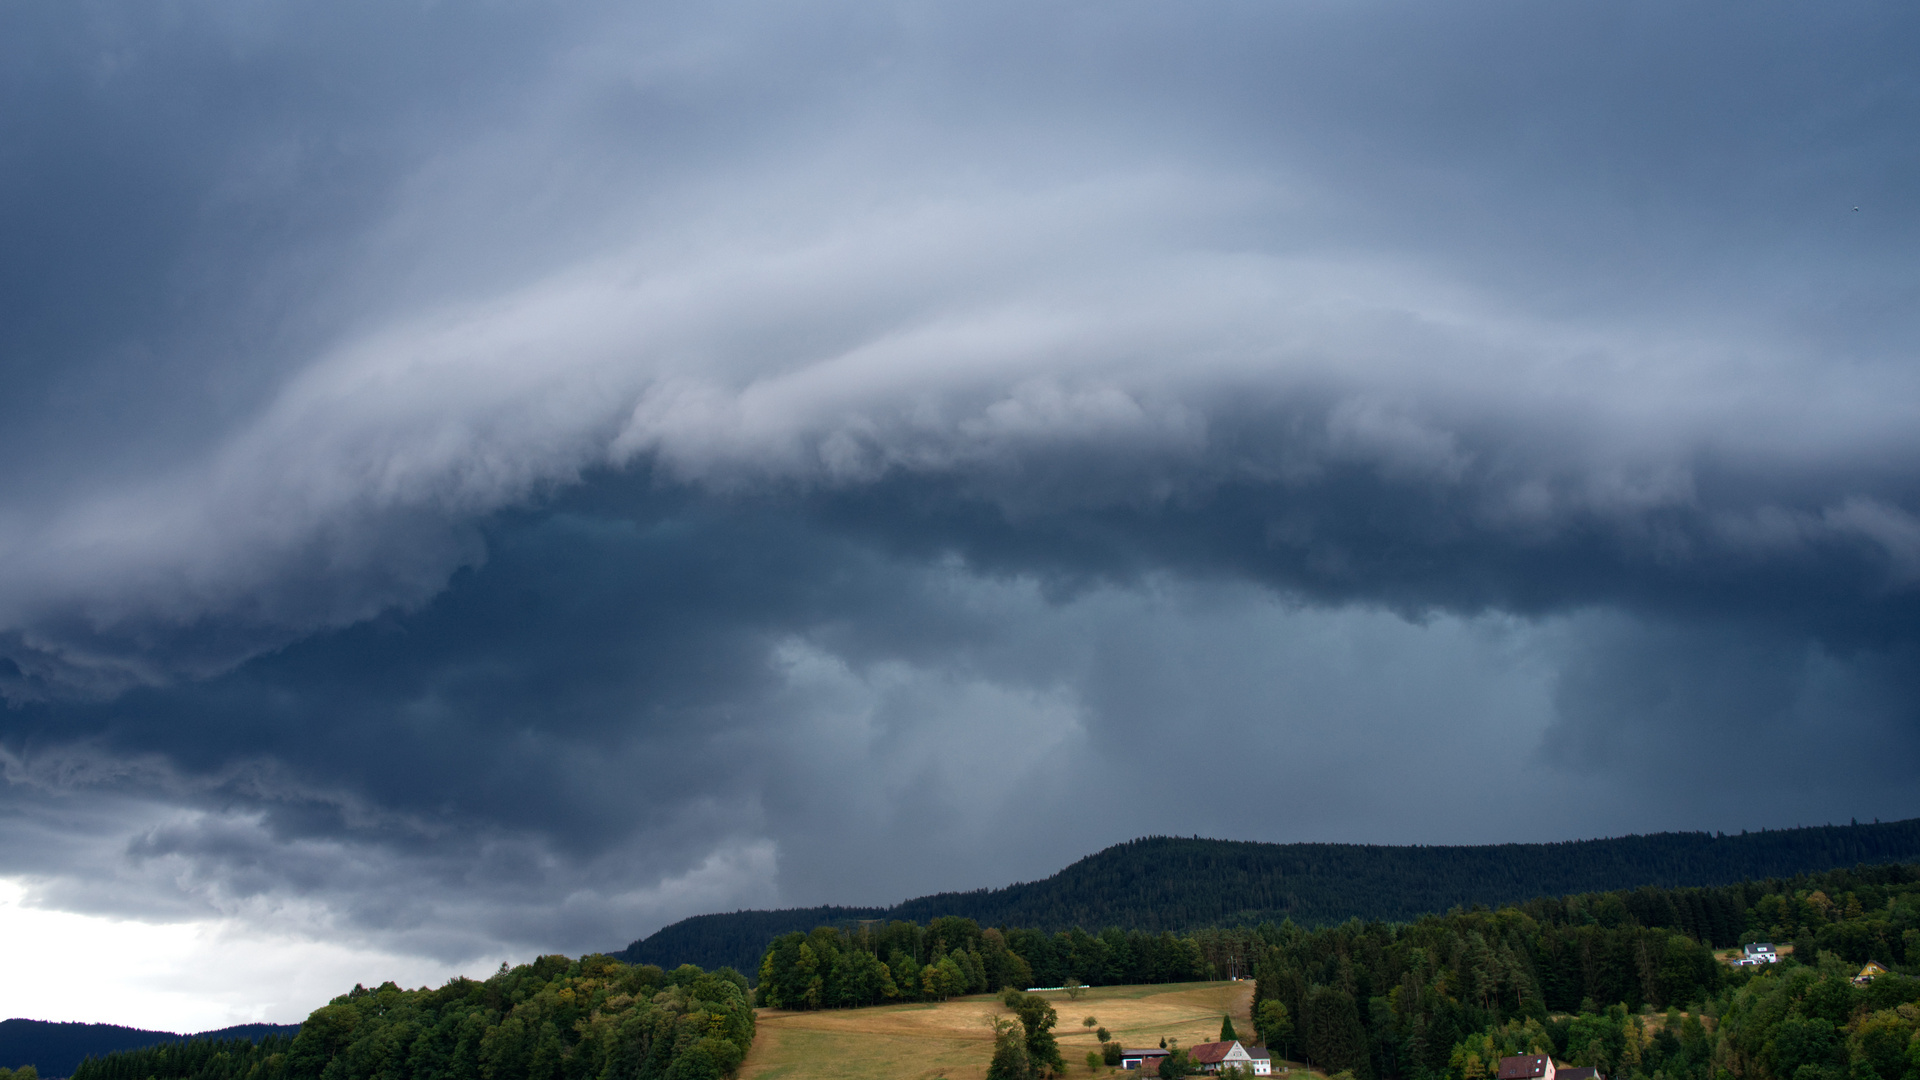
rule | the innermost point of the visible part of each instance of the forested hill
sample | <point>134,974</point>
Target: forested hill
<point>56,1049</point>
<point>1170,883</point>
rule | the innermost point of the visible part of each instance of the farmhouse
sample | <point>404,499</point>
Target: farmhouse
<point>1214,1056</point>
<point>1146,1060</point>
<point>1868,973</point>
<point>1527,1067</point>
<point>1760,952</point>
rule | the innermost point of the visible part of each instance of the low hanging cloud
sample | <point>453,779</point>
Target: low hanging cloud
<point>494,481</point>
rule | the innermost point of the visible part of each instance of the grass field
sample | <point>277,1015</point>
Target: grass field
<point>953,1040</point>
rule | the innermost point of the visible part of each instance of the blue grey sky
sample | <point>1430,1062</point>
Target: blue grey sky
<point>497,478</point>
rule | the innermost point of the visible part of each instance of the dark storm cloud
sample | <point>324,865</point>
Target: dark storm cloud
<point>672,459</point>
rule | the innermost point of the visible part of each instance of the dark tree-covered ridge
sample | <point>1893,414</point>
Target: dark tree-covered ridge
<point>55,1049</point>
<point>1179,884</point>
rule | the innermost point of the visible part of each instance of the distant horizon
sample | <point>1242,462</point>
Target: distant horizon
<point>1852,823</point>
<point>145,1031</point>
<point>1165,883</point>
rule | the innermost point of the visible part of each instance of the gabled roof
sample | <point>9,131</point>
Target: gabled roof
<point>1259,1053</point>
<point>1212,1053</point>
<point>1523,1067</point>
<point>1583,1072</point>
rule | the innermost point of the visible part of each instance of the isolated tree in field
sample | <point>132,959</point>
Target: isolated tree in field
<point>1103,1035</point>
<point>1111,1053</point>
<point>1226,1029</point>
<point>1091,1022</point>
<point>1010,1055</point>
<point>1094,1061</point>
<point>1037,1018</point>
<point>1074,988</point>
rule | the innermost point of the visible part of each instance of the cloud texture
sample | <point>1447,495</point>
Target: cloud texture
<point>501,478</point>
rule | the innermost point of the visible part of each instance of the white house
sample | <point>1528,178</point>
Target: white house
<point>1215,1056</point>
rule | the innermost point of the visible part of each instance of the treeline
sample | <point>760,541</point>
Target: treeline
<point>1178,884</point>
<point>902,961</point>
<point>1786,1022</point>
<point>554,1019</point>
<point>1625,981</point>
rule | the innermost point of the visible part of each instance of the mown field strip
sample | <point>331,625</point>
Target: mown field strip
<point>953,1039</point>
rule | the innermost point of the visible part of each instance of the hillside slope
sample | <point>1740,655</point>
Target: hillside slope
<point>953,1040</point>
<point>1170,883</point>
<point>56,1049</point>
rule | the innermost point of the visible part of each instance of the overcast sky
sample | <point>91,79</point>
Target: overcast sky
<point>491,479</point>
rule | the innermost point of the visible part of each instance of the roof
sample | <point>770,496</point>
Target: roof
<point>1584,1072</point>
<point>1152,1051</point>
<point>1523,1067</point>
<point>1212,1053</point>
<point>1259,1053</point>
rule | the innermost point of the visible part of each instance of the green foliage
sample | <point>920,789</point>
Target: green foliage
<point>554,1019</point>
<point>1226,1029</point>
<point>1010,1061</point>
<point>1037,1019</point>
<point>1273,1024</point>
<point>24,1072</point>
<point>841,968</point>
<point>1448,995</point>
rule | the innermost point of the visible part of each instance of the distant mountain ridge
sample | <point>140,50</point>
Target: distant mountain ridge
<point>1173,883</point>
<point>56,1049</point>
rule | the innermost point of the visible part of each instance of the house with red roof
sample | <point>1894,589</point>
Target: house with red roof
<point>1215,1056</point>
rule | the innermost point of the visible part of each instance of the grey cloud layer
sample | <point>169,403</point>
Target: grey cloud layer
<point>428,426</point>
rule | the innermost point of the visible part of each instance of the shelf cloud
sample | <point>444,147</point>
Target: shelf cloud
<point>498,479</point>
